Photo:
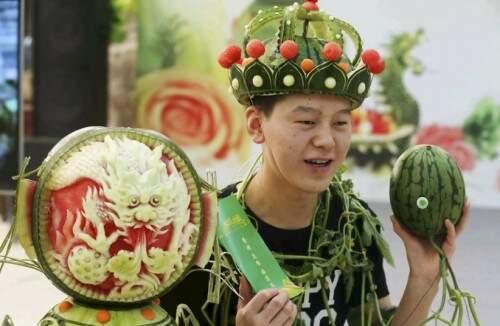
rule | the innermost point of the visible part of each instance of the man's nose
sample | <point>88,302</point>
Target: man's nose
<point>324,138</point>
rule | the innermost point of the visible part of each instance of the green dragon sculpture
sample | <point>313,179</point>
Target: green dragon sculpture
<point>394,99</point>
<point>393,92</point>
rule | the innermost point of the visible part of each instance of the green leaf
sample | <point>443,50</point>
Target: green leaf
<point>367,234</point>
<point>383,246</point>
<point>343,168</point>
<point>349,284</point>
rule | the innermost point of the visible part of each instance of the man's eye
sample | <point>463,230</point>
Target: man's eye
<point>341,123</point>
<point>306,122</point>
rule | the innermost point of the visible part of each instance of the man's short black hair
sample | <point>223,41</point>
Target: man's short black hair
<point>266,103</point>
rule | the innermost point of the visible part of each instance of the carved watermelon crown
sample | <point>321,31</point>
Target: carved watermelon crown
<point>299,49</point>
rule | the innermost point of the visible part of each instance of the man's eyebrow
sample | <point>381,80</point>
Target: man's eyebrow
<point>306,109</point>
<point>347,110</point>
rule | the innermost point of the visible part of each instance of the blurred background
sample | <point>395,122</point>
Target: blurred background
<point>67,64</point>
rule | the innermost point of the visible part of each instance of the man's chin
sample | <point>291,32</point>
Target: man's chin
<point>315,186</point>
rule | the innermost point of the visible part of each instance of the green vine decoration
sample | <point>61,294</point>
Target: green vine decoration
<point>328,249</point>
<point>463,301</point>
<point>344,247</point>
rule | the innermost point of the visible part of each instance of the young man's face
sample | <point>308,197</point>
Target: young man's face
<point>306,139</point>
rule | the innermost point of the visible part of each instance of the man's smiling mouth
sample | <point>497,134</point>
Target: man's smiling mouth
<point>318,162</point>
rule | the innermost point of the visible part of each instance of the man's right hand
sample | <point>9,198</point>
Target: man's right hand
<point>267,307</point>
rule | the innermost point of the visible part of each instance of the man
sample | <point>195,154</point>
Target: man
<point>299,88</point>
<point>305,139</point>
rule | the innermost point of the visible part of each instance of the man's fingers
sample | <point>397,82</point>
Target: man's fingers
<point>464,219</point>
<point>275,306</point>
<point>293,316</point>
<point>395,224</point>
<point>245,293</point>
<point>451,237</point>
<point>257,303</point>
<point>285,316</point>
<point>291,321</point>
<point>400,231</point>
<point>451,233</point>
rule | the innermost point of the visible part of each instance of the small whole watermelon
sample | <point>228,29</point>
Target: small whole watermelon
<point>426,187</point>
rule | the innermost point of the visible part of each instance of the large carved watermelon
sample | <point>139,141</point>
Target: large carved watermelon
<point>116,218</point>
<point>426,187</point>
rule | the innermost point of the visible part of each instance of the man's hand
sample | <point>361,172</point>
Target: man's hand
<point>424,261</point>
<point>422,257</point>
<point>267,307</point>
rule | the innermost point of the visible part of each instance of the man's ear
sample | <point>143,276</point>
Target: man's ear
<point>254,118</point>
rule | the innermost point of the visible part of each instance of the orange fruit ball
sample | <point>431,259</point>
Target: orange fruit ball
<point>148,313</point>
<point>65,306</point>
<point>307,65</point>
<point>344,66</point>
<point>103,316</point>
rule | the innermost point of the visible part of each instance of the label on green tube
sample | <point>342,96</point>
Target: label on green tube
<point>250,253</point>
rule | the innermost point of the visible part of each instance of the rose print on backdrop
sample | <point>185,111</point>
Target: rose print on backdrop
<point>452,140</point>
<point>180,91</point>
<point>194,111</point>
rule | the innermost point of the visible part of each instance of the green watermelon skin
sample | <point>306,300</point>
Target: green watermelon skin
<point>426,171</point>
<point>81,315</point>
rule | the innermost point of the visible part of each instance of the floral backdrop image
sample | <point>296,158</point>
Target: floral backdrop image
<point>181,91</point>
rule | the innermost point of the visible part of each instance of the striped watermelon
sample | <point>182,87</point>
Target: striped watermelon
<point>426,187</point>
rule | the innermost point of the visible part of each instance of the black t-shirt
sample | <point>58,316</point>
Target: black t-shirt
<point>192,290</point>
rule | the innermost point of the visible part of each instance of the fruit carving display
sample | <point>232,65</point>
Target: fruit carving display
<point>115,219</point>
<point>381,132</point>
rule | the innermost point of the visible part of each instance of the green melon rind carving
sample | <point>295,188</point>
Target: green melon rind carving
<point>86,316</point>
<point>41,206</point>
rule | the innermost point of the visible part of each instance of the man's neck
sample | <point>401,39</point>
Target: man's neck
<point>279,204</point>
